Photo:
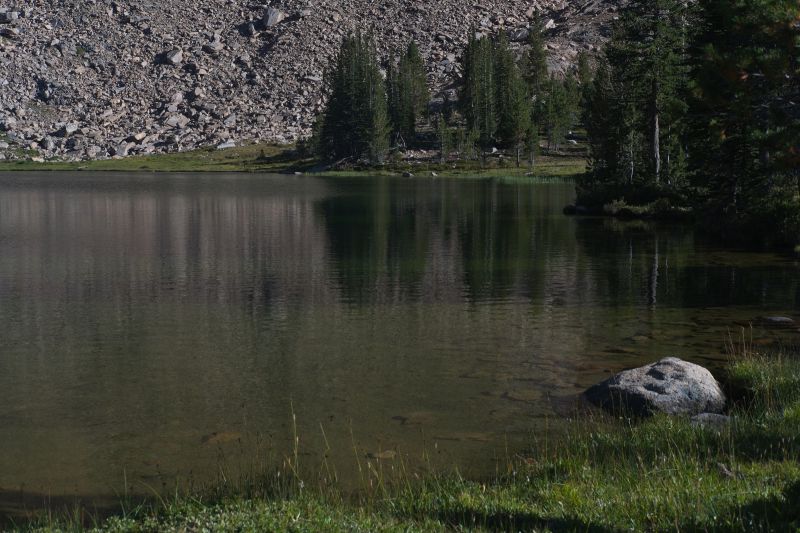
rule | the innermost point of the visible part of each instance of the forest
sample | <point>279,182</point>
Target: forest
<point>689,109</point>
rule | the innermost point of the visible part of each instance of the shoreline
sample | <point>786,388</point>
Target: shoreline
<point>284,159</point>
<point>608,473</point>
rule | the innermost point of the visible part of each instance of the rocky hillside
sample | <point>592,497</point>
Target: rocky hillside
<point>100,78</point>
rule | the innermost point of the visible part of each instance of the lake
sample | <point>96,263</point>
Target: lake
<point>160,328</point>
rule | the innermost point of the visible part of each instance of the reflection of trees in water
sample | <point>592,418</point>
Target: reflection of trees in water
<point>392,238</point>
<point>654,264</point>
<point>167,309</point>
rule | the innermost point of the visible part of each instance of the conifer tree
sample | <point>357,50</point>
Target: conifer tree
<point>585,76</point>
<point>532,144</point>
<point>557,114</point>
<point>535,67</point>
<point>584,70</point>
<point>479,92</point>
<point>513,102</point>
<point>642,138</point>
<point>598,121</point>
<point>648,56</point>
<point>445,138</point>
<point>355,121</point>
<point>413,94</point>
<point>745,112</point>
<point>393,100</point>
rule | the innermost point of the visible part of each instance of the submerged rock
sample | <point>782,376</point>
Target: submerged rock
<point>670,386</point>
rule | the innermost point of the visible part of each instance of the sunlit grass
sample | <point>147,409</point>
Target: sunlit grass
<point>266,158</point>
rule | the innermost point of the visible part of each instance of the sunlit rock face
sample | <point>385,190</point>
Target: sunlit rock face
<point>168,76</point>
<point>669,386</point>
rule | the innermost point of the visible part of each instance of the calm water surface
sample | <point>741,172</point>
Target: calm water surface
<point>156,328</point>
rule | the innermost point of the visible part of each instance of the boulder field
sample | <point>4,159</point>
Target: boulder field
<point>92,79</point>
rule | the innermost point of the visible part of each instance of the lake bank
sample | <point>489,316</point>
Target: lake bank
<point>660,474</point>
<point>264,158</point>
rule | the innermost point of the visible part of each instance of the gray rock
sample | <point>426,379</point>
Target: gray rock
<point>123,149</point>
<point>67,130</point>
<point>8,124</point>
<point>98,57</point>
<point>177,121</point>
<point>273,17</point>
<point>174,56</point>
<point>230,121</point>
<point>214,47</point>
<point>518,35</point>
<point>9,33</point>
<point>93,151</point>
<point>670,386</point>
<point>226,145</point>
<point>7,17</point>
<point>3,145</point>
<point>48,144</point>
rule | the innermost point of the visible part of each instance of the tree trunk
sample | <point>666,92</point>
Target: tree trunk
<point>657,147</point>
<point>630,155</point>
<point>656,133</point>
<point>519,155</point>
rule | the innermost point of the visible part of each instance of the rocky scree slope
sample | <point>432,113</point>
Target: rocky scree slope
<point>90,79</point>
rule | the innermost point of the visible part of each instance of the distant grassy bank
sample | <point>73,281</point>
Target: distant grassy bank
<point>266,158</point>
<point>661,474</point>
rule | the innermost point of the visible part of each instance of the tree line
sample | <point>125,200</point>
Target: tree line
<point>691,105</point>
<point>698,104</point>
<point>504,102</point>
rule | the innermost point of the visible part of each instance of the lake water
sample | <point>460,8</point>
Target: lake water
<point>156,328</point>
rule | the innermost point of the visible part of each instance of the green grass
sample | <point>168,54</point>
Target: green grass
<point>605,474</point>
<point>251,158</point>
<point>284,159</point>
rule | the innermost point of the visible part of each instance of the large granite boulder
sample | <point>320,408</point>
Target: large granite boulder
<point>669,386</point>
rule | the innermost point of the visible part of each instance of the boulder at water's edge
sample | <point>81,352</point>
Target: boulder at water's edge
<point>670,386</point>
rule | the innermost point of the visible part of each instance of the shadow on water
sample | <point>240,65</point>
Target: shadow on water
<point>21,507</point>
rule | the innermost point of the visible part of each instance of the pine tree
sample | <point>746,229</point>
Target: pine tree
<point>413,91</point>
<point>513,102</point>
<point>557,113</point>
<point>355,121</point>
<point>642,91</point>
<point>393,101</point>
<point>648,56</point>
<point>532,144</point>
<point>584,70</point>
<point>745,112</point>
<point>479,91</point>
<point>585,76</point>
<point>535,67</point>
<point>445,138</point>
<point>598,122</point>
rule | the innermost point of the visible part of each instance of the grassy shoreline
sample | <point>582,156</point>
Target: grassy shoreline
<point>661,474</point>
<point>264,158</point>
